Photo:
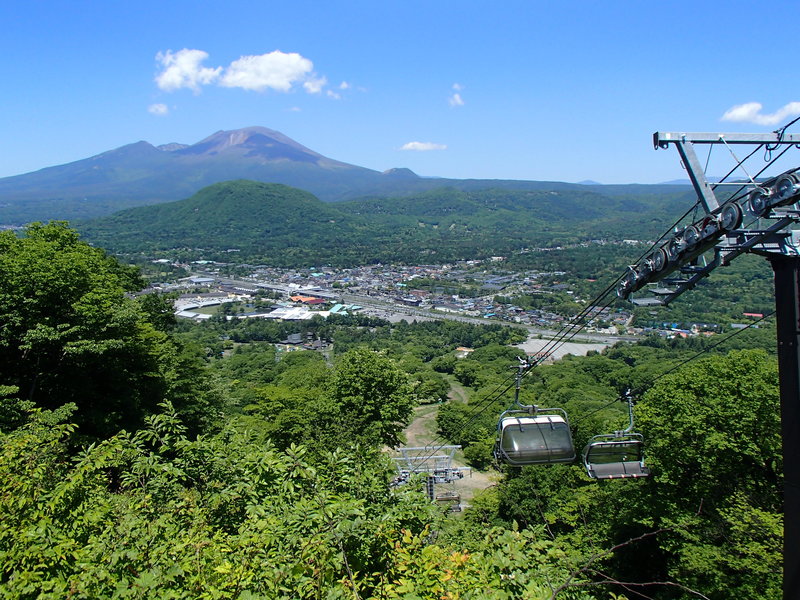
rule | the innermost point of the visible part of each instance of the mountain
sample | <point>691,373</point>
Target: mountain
<point>284,226</point>
<point>141,174</point>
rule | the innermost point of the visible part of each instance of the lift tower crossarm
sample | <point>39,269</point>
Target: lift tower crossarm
<point>685,145</point>
<point>663,139</point>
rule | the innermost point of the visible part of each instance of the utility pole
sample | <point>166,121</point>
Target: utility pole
<point>679,263</point>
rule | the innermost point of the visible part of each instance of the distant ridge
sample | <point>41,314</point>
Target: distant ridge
<point>172,147</point>
<point>140,174</point>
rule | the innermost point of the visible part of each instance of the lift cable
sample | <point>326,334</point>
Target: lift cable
<point>739,163</point>
<point>735,197</point>
<point>781,130</point>
<point>777,198</point>
<point>574,328</point>
<point>587,415</point>
<point>564,335</point>
<point>678,366</point>
<point>768,150</point>
<point>576,324</point>
<point>567,332</point>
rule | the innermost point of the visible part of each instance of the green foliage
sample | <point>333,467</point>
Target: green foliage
<point>364,398</point>
<point>157,514</point>
<point>709,518</point>
<point>248,512</point>
<point>283,226</point>
<point>716,450</point>
<point>726,412</point>
<point>250,216</point>
<point>430,386</point>
<point>371,398</point>
<point>68,333</point>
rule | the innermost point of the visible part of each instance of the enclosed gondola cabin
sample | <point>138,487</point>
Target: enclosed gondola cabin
<point>615,457</point>
<point>534,438</point>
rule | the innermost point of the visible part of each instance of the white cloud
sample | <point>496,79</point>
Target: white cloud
<point>314,85</point>
<point>158,109</point>
<point>334,95</point>
<point>276,70</point>
<point>344,86</point>
<point>750,112</point>
<point>183,69</point>
<point>423,146</point>
<point>456,99</point>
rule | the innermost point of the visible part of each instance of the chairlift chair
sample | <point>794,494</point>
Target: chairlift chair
<point>534,436</point>
<point>529,435</point>
<point>617,455</point>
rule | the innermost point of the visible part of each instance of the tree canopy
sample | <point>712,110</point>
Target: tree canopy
<point>70,334</point>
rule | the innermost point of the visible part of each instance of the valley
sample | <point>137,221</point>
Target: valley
<point>329,331</point>
<point>399,301</point>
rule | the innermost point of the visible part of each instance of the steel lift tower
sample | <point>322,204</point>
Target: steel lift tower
<point>753,213</point>
<point>436,464</point>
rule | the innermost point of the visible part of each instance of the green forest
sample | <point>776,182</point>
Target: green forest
<point>144,457</point>
<point>287,227</point>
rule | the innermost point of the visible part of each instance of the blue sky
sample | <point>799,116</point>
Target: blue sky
<point>556,90</point>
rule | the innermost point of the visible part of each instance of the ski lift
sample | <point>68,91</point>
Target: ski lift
<point>541,437</point>
<point>529,435</point>
<point>617,455</point>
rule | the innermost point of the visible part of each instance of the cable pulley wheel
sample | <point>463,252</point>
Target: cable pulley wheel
<point>659,260</point>
<point>757,202</point>
<point>730,217</point>
<point>786,187</point>
<point>691,236</point>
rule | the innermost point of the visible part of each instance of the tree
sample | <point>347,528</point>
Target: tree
<point>68,333</point>
<point>371,396</point>
<point>713,432</point>
<point>708,518</point>
<point>227,516</point>
<point>430,386</point>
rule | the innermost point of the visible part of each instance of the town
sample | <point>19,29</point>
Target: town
<point>473,291</point>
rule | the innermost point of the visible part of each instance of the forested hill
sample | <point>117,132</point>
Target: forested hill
<point>284,226</point>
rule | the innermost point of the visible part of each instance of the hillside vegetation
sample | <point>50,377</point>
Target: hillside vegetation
<point>282,226</point>
<point>141,174</point>
<point>140,458</point>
